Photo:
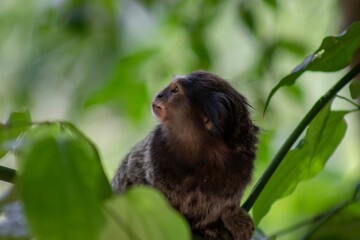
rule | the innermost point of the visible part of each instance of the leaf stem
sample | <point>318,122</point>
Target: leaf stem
<point>7,174</point>
<point>295,135</point>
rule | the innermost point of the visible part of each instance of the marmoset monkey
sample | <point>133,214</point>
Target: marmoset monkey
<point>200,156</point>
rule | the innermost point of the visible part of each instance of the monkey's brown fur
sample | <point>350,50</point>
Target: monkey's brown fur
<point>200,156</point>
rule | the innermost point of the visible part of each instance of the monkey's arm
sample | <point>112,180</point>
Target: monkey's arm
<point>121,180</point>
<point>132,170</point>
<point>238,222</point>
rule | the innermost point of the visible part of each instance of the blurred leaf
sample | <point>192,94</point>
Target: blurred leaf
<point>19,119</point>
<point>76,18</point>
<point>355,88</point>
<point>247,16</point>
<point>16,125</point>
<point>294,47</point>
<point>334,54</point>
<point>109,5</point>
<point>61,183</point>
<point>344,225</point>
<point>271,3</point>
<point>200,49</point>
<point>323,136</point>
<point>270,49</point>
<point>357,192</point>
<point>126,86</point>
<point>265,149</point>
<point>142,213</point>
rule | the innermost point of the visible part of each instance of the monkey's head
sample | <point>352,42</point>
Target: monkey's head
<point>202,105</point>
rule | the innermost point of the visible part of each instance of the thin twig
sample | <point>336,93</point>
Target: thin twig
<point>349,101</point>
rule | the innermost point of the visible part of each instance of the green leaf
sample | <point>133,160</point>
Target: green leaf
<point>355,88</point>
<point>19,119</point>
<point>142,213</point>
<point>247,16</point>
<point>16,125</point>
<point>323,136</point>
<point>335,53</point>
<point>61,183</point>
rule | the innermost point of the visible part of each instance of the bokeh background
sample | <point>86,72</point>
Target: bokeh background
<point>99,63</point>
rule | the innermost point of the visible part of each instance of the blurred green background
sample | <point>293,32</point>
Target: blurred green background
<point>99,63</point>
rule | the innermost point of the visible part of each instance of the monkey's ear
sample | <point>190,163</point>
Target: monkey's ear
<point>217,109</point>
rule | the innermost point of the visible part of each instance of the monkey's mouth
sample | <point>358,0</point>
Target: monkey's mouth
<point>155,106</point>
<point>157,110</point>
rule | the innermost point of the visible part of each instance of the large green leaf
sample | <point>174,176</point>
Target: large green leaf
<point>17,124</point>
<point>335,53</point>
<point>323,136</point>
<point>142,213</point>
<point>61,183</point>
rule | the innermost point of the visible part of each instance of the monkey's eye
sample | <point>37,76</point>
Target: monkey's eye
<point>175,89</point>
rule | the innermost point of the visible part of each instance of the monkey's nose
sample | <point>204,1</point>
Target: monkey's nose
<point>159,95</point>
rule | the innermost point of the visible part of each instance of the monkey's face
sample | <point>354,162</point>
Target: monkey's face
<point>203,104</point>
<point>170,104</point>
<point>193,104</point>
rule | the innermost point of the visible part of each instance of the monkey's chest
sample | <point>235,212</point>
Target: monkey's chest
<point>201,200</point>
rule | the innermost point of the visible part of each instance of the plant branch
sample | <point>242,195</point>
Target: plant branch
<point>316,219</point>
<point>7,174</point>
<point>295,135</point>
<point>329,214</point>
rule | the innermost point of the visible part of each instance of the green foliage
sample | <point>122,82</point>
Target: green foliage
<point>323,136</point>
<point>17,124</point>
<point>333,54</point>
<point>61,180</point>
<point>123,79</point>
<point>66,195</point>
<point>143,213</point>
